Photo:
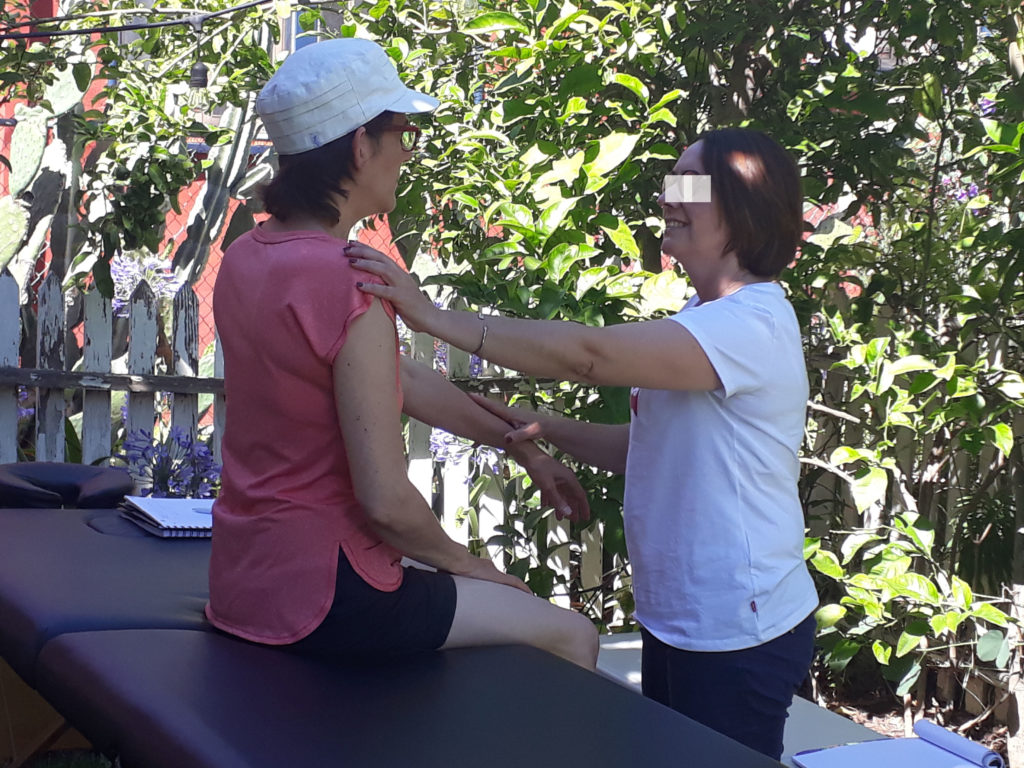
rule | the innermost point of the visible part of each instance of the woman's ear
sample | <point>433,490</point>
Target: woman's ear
<point>363,147</point>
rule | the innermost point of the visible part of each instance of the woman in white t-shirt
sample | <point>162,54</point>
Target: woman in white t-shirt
<point>713,520</point>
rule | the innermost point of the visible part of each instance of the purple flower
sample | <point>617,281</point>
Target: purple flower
<point>24,411</point>
<point>127,272</point>
<point>972,191</point>
<point>176,466</point>
<point>986,106</point>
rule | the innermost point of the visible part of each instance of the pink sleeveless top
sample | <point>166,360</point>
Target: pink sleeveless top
<point>283,304</point>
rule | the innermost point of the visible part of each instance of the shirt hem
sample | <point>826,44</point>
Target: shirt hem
<point>732,643</point>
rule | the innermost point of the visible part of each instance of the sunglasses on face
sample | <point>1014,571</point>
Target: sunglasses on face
<point>410,135</point>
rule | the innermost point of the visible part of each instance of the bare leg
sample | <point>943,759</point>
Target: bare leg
<point>495,614</point>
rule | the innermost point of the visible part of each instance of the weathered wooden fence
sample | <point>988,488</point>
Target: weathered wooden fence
<point>99,372</point>
<point>64,384</point>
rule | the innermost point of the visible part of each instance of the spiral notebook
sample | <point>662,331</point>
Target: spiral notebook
<point>935,747</point>
<point>170,518</point>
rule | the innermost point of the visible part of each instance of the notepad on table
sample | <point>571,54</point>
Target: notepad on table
<point>935,747</point>
<point>170,518</point>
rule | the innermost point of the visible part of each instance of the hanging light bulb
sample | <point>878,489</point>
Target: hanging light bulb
<point>199,76</point>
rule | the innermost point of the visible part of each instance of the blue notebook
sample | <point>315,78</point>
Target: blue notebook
<point>934,747</point>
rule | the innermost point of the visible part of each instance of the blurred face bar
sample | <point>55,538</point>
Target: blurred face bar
<point>687,188</point>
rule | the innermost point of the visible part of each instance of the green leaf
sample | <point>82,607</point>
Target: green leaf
<point>882,651</point>
<point>1001,436</point>
<point>990,613</point>
<point>663,292</point>
<point>495,21</point>
<point>552,216</point>
<point>910,363</point>
<point>906,643</point>
<point>613,150</point>
<point>829,615</point>
<point>909,678</point>
<point>1003,657</point>
<point>584,80</point>
<point>916,586</point>
<point>827,563</point>
<point>82,73</point>
<point>853,543</point>
<point>811,545</point>
<point>962,593</point>
<point>869,488</point>
<point>562,256</point>
<point>632,83</point>
<point>990,644</point>
<point>623,238</point>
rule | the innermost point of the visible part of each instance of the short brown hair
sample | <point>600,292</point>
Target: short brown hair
<point>305,182</point>
<point>757,187</point>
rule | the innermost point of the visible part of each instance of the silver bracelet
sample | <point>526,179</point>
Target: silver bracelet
<point>483,333</point>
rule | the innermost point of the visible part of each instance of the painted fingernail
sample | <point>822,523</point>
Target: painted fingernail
<point>359,285</point>
<point>351,261</point>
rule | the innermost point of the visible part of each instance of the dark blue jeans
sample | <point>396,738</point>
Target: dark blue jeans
<point>742,694</point>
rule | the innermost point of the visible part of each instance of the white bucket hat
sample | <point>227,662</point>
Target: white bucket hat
<point>328,89</point>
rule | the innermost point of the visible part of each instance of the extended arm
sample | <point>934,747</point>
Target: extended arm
<point>604,446</point>
<point>658,354</point>
<point>367,404</point>
<point>434,400</point>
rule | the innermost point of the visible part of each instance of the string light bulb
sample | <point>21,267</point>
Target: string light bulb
<point>199,76</point>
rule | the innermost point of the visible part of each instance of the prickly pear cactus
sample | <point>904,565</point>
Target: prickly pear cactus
<point>13,225</point>
<point>28,142</point>
<point>63,93</point>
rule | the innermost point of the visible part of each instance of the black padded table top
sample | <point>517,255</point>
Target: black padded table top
<point>169,699</point>
<point>77,570</point>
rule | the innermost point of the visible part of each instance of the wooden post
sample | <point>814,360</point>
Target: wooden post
<point>142,333</point>
<point>456,498</point>
<point>591,565</point>
<point>219,403</point>
<point>10,340</point>
<point>185,345</point>
<point>421,462</point>
<point>96,403</point>
<point>50,355</point>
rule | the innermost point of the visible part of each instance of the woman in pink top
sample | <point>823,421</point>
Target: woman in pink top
<point>316,510</point>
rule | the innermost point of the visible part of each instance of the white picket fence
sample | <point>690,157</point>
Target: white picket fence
<point>147,379</point>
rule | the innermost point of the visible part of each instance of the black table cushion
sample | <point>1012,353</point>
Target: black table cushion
<point>75,570</point>
<point>168,699</point>
<point>49,485</point>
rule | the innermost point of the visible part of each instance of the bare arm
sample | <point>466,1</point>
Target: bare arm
<point>659,354</point>
<point>604,446</point>
<point>434,400</point>
<point>367,404</point>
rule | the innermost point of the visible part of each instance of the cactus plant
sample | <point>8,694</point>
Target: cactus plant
<point>13,226</point>
<point>28,142</point>
<point>63,93</point>
<point>227,171</point>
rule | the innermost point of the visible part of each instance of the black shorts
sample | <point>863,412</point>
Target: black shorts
<point>364,620</point>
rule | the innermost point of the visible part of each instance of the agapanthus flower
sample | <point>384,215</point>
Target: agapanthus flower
<point>176,467</point>
<point>128,271</point>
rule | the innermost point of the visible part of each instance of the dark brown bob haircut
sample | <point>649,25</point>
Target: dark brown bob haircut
<point>757,187</point>
<point>305,182</point>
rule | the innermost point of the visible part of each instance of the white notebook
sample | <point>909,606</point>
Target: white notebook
<point>169,518</point>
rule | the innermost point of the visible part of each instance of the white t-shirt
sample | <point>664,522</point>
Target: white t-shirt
<point>713,519</point>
